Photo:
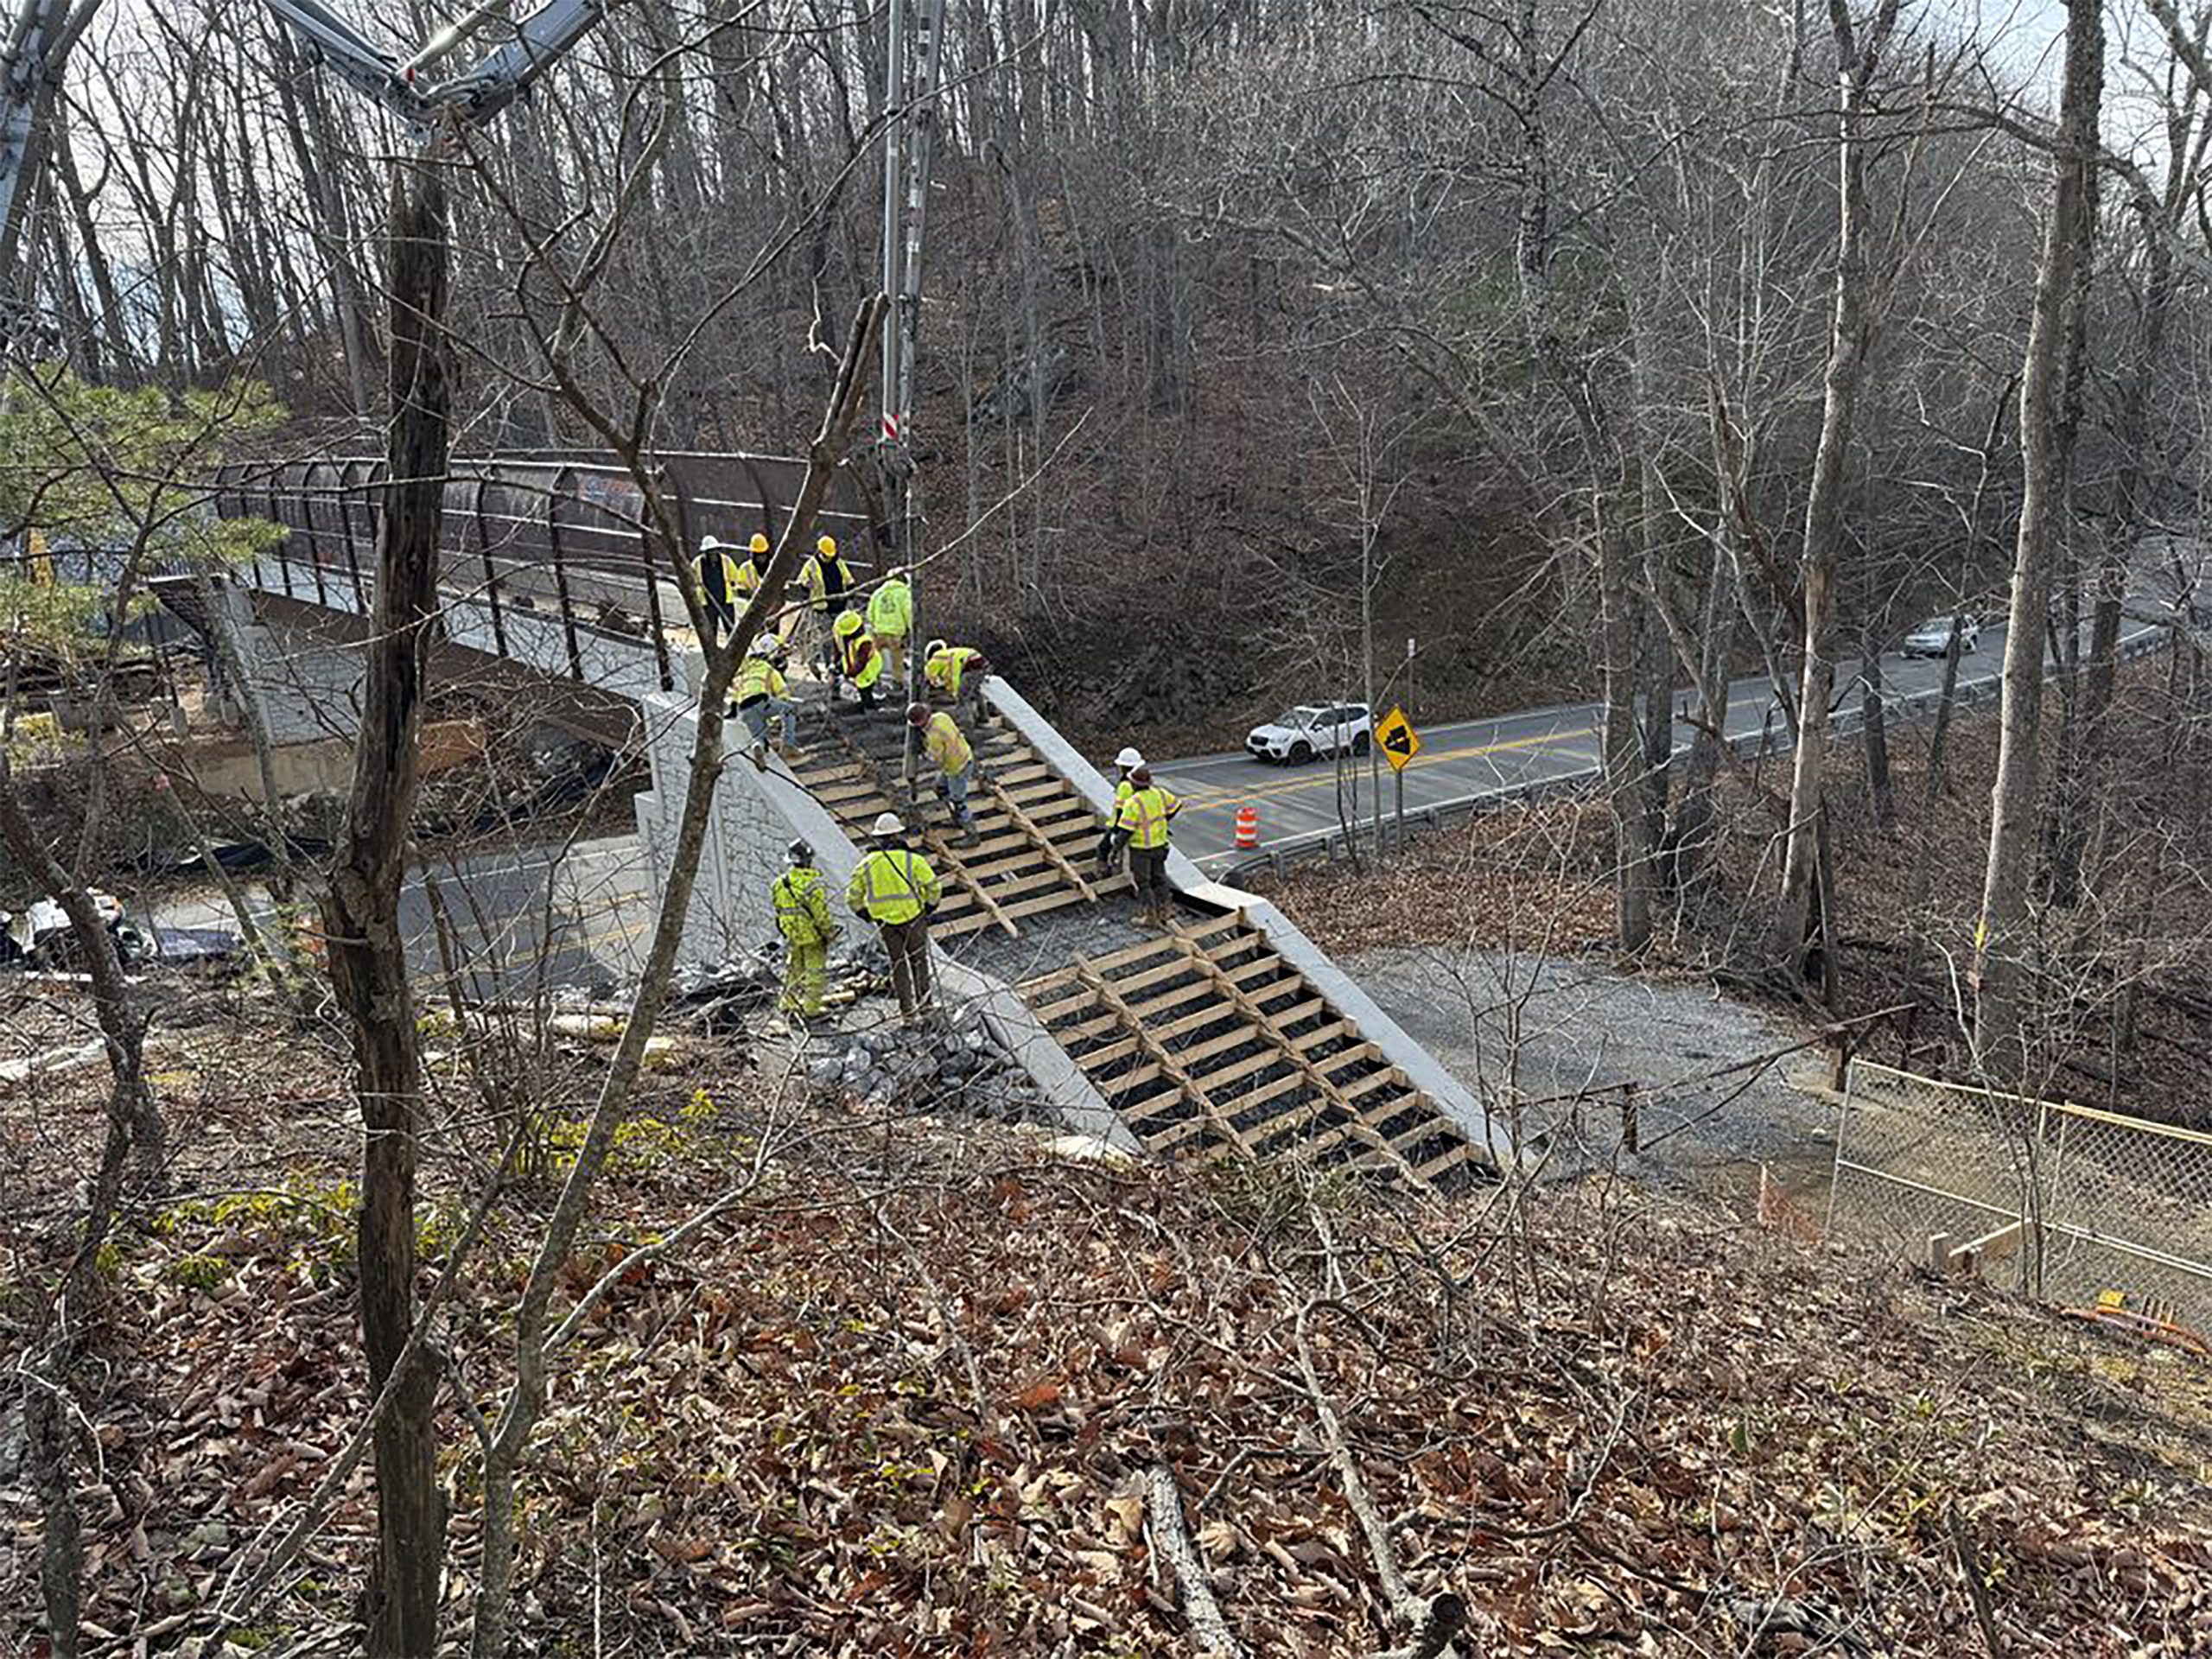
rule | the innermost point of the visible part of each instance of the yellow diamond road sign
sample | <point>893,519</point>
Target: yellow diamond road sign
<point>1399,740</point>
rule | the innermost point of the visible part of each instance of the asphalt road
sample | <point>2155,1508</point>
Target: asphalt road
<point>1477,760</point>
<point>594,906</point>
<point>588,915</point>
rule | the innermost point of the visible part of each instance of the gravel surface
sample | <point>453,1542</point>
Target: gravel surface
<point>1546,1030</point>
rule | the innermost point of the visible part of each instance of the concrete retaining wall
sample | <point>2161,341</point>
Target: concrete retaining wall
<point>1451,1096</point>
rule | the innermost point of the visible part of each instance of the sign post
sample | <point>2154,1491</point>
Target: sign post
<point>1400,743</point>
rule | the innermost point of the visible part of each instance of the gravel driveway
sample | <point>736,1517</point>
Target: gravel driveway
<point>1546,1030</point>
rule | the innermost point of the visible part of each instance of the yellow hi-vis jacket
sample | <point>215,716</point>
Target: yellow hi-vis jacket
<point>803,907</point>
<point>1145,814</point>
<point>718,575</point>
<point>893,886</point>
<point>945,667</point>
<point>758,677</point>
<point>891,610</point>
<point>945,744</point>
<point>746,582</point>
<point>856,653</point>
<point>827,580</point>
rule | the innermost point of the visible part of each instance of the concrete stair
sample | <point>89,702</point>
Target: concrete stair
<point>1209,1044</point>
<point>1035,836</point>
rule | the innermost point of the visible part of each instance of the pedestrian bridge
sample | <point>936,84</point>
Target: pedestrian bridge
<point>1231,1034</point>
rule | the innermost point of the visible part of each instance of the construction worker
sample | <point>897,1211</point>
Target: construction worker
<point>1142,826</point>
<point>718,576</point>
<point>761,694</point>
<point>802,918</point>
<point>1110,848</point>
<point>946,745</point>
<point>895,888</point>
<point>891,619</point>
<point>827,577</point>
<point>953,670</point>
<point>858,659</point>
<point>748,572</point>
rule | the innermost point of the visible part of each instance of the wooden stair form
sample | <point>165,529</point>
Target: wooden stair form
<point>1035,835</point>
<point>1210,1045</point>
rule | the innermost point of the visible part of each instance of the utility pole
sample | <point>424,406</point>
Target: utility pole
<point>912,56</point>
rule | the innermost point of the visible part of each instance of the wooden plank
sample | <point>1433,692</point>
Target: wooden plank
<point>1244,1068</point>
<point>939,850</point>
<point>1294,1050</point>
<point>1354,1091</point>
<point>1313,1040</point>
<point>1059,861</point>
<point>1443,1161</point>
<point>1054,900</point>
<point>1171,1064</point>
<point>1268,1092</point>
<point>1049,1012</point>
<point>1337,1062</point>
<point>1245,1032</point>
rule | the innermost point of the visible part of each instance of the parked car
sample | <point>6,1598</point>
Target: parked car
<point>1932,637</point>
<point>1312,730</point>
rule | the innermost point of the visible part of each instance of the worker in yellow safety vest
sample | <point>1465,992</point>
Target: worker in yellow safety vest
<point>761,694</point>
<point>827,577</point>
<point>954,670</point>
<point>895,888</point>
<point>748,572</point>
<point>802,918</point>
<point>858,659</point>
<point>1142,826</point>
<point>891,619</point>
<point>717,574</point>
<point>1109,846</point>
<point>948,748</point>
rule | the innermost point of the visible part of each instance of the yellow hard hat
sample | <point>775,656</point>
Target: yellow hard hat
<point>827,547</point>
<point>759,544</point>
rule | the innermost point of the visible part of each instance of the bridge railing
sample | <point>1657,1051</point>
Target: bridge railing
<point>548,534</point>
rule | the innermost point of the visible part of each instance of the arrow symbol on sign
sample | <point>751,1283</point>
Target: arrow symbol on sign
<point>1399,739</point>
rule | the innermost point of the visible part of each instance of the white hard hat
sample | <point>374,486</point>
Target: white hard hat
<point>764,645</point>
<point>1128,757</point>
<point>888,824</point>
<point>710,544</point>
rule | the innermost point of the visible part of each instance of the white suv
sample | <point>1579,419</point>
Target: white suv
<point>1312,730</point>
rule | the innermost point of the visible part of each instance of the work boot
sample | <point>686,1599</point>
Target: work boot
<point>793,755</point>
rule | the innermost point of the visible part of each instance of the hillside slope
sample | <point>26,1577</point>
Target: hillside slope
<point>905,1402</point>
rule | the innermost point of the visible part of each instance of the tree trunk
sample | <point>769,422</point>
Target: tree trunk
<point>135,1133</point>
<point>2046,460</point>
<point>525,1400</point>
<point>1535,237</point>
<point>368,956</point>
<point>1874,730</point>
<point>1850,330</point>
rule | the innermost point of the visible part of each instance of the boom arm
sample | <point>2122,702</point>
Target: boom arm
<point>540,41</point>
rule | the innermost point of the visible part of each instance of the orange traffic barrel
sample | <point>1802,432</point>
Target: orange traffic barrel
<point>1248,826</point>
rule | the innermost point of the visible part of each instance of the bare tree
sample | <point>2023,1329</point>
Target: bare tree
<point>1859,59</point>
<point>2056,342</point>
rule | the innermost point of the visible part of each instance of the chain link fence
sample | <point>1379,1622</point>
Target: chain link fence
<point>2060,1202</point>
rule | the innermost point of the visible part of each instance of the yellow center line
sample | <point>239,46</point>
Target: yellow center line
<point>1229,795</point>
